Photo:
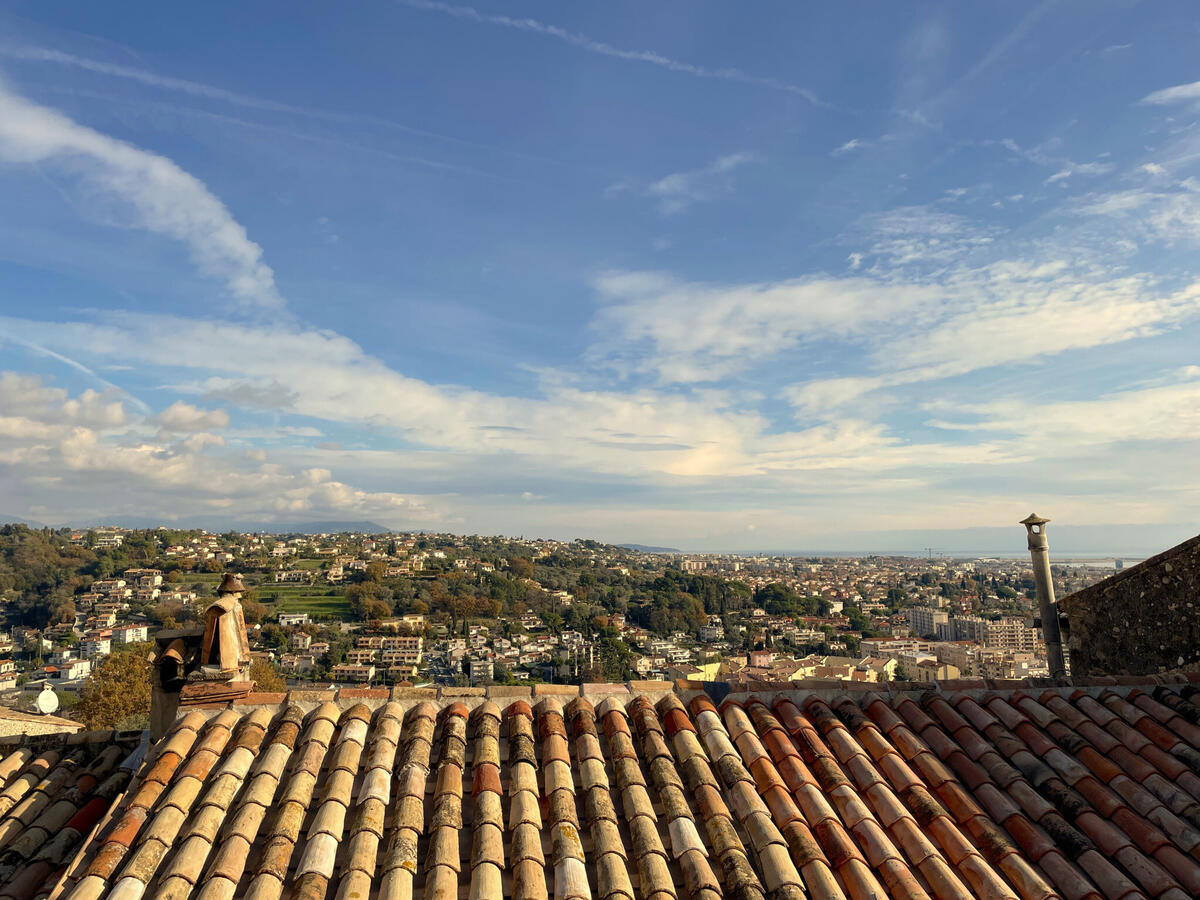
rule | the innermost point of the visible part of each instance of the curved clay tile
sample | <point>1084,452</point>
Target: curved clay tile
<point>14,763</point>
<point>1161,735</point>
<point>735,740</point>
<point>400,861</point>
<point>164,831</point>
<point>486,710</point>
<point>649,855</point>
<point>1126,715</point>
<point>487,829</point>
<point>1176,704</point>
<point>1128,774</point>
<point>526,859</point>
<point>1133,741</point>
<point>885,825</point>
<point>608,850</point>
<point>315,868</point>
<point>1146,834</point>
<point>123,833</point>
<point>905,789</point>
<point>371,804</point>
<point>687,847</point>
<point>996,846</point>
<point>33,856</point>
<point>567,857</point>
<point>1169,718</point>
<point>241,826</point>
<point>785,815</point>
<point>1115,843</point>
<point>1075,844</point>
<point>1010,801</point>
<point>293,803</point>
<point>442,861</point>
<point>29,779</point>
<point>43,793</point>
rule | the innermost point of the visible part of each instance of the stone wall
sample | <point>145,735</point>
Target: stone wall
<point>1142,621</point>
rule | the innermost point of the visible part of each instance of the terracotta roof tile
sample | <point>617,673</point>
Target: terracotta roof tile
<point>653,794</point>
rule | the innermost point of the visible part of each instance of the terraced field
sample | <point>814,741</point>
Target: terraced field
<point>313,599</point>
<point>304,598</point>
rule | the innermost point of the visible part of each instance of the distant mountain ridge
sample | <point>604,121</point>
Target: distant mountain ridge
<point>17,520</point>
<point>645,548</point>
<point>331,526</point>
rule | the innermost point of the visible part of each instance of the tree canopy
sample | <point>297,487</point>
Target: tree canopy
<point>118,693</point>
<point>263,674</point>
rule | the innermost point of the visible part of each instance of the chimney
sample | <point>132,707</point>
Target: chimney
<point>1039,551</point>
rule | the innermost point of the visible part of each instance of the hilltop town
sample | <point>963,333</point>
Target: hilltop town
<point>446,609</point>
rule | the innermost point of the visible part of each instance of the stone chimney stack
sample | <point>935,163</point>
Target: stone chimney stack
<point>225,653</point>
<point>201,664</point>
<point>1039,551</point>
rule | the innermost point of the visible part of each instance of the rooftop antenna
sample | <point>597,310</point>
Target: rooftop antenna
<point>1039,552</point>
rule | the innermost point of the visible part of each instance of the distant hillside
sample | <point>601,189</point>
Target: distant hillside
<point>330,527</point>
<point>644,548</point>
<point>214,524</point>
<point>17,520</point>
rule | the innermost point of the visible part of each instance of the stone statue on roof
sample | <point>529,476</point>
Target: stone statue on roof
<point>226,649</point>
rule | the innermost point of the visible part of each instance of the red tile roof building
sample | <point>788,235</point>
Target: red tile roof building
<point>647,791</point>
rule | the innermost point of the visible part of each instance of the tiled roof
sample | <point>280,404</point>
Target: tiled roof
<point>54,788</point>
<point>644,794</point>
<point>15,722</point>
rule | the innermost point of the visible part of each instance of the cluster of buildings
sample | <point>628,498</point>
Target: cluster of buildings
<point>107,598</point>
<point>66,661</point>
<point>940,618</point>
<point>954,659</point>
<point>1008,632</point>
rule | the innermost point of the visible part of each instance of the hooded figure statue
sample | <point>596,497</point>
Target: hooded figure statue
<point>226,648</point>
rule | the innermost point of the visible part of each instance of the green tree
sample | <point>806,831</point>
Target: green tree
<point>370,600</point>
<point>265,676</point>
<point>118,693</point>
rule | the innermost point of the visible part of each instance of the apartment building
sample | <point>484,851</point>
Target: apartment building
<point>924,620</point>
<point>352,672</point>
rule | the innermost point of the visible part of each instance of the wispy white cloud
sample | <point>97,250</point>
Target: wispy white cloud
<point>1049,154</point>
<point>679,190</point>
<point>147,78</point>
<point>1168,213</point>
<point>1071,169</point>
<point>1005,314</point>
<point>1159,413</point>
<point>203,91</point>
<point>858,144</point>
<point>155,193</point>
<point>1180,93</point>
<point>582,41</point>
<point>919,236</point>
<point>331,379</point>
<point>915,328</point>
<point>686,332</point>
<point>80,367</point>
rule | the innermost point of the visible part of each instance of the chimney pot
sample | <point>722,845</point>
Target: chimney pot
<point>232,584</point>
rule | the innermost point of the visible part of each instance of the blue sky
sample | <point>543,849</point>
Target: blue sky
<point>695,274</point>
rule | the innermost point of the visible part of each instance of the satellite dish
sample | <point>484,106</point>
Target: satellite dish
<point>47,701</point>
